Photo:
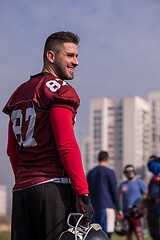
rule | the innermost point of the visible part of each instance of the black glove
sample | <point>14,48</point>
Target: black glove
<point>86,208</point>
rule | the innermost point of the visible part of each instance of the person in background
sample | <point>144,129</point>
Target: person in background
<point>104,195</point>
<point>42,148</point>
<point>131,193</point>
<point>153,207</point>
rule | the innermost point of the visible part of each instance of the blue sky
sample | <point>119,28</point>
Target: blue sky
<point>119,52</point>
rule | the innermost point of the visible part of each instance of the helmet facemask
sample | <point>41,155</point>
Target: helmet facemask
<point>80,232</point>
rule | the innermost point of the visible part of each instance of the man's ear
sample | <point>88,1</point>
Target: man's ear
<point>50,56</point>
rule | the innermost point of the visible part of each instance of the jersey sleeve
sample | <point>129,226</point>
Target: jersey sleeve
<point>61,120</point>
<point>51,92</point>
<point>12,148</point>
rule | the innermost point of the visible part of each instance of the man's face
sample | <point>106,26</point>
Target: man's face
<point>65,61</point>
<point>130,174</point>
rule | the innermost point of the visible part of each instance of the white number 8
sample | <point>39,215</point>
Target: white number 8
<point>53,85</point>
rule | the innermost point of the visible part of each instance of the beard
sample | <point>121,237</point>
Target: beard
<point>130,176</point>
<point>61,71</point>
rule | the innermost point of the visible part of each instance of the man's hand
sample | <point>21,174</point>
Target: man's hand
<point>122,190</point>
<point>86,208</point>
<point>119,214</point>
<point>143,204</point>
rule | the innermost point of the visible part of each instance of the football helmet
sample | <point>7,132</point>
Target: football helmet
<point>135,211</point>
<point>80,232</point>
<point>121,227</point>
<point>129,171</point>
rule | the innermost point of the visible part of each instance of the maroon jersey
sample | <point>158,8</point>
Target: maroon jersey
<point>29,111</point>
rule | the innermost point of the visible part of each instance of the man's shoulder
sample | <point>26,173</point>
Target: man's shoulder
<point>54,84</point>
<point>102,169</point>
<point>92,170</point>
<point>54,91</point>
<point>110,171</point>
<point>138,179</point>
<point>122,183</point>
<point>141,181</point>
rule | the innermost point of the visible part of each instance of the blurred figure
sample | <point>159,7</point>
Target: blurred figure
<point>153,213</point>
<point>131,193</point>
<point>104,195</point>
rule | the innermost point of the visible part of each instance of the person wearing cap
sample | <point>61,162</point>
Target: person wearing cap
<point>131,193</point>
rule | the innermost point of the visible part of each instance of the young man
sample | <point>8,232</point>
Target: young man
<point>42,147</point>
<point>131,193</point>
<point>104,195</point>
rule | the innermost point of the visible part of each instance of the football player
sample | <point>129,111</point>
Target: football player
<point>42,148</point>
<point>131,194</point>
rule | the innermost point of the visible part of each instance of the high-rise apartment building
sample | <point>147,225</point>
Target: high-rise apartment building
<point>3,200</point>
<point>121,127</point>
<point>136,133</point>
<point>154,101</point>
<point>85,153</point>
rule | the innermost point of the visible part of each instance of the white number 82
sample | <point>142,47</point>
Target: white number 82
<point>29,115</point>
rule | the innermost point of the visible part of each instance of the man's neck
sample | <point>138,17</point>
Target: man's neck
<point>132,180</point>
<point>49,70</point>
<point>103,163</point>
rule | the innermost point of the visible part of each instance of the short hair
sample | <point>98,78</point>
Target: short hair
<point>58,38</point>
<point>152,156</point>
<point>103,155</point>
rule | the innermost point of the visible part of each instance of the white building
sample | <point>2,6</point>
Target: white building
<point>154,101</point>
<point>3,200</point>
<point>136,127</point>
<point>85,153</point>
<point>121,127</point>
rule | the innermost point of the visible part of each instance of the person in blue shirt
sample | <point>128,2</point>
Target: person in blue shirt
<point>131,193</point>
<point>153,213</point>
<point>104,194</point>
